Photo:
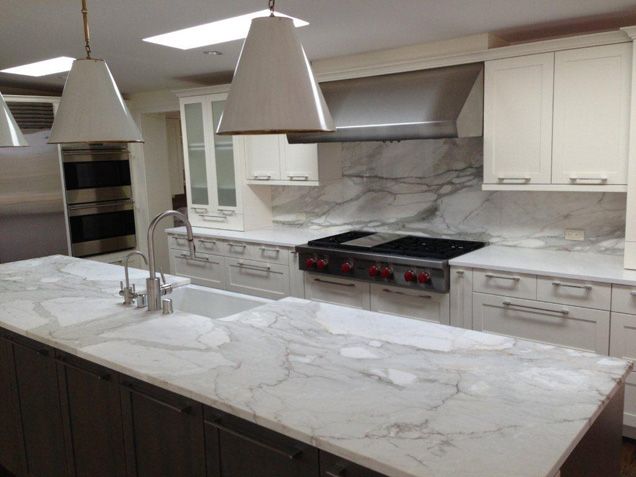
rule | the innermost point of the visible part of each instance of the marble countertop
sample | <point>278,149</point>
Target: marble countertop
<point>575,265</point>
<point>403,397</point>
<point>281,236</point>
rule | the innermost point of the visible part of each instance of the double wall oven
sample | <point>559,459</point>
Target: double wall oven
<point>99,198</point>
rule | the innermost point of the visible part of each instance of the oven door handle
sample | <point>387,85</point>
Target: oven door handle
<point>115,205</point>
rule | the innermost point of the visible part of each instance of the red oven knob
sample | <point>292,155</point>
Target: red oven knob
<point>322,264</point>
<point>410,276</point>
<point>374,271</point>
<point>386,272</point>
<point>424,277</point>
<point>310,263</point>
<point>346,267</point>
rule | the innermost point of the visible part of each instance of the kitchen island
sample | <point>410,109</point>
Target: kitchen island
<point>401,397</point>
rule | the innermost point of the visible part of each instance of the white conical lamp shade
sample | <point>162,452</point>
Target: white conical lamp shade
<point>10,134</point>
<point>92,109</point>
<point>274,90</point>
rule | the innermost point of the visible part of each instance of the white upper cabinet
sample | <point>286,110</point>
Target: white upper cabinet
<point>591,115</point>
<point>270,159</point>
<point>518,120</point>
<point>558,121</point>
<point>217,194</point>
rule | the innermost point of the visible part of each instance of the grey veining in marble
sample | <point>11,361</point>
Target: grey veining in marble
<point>434,188</point>
<point>403,397</point>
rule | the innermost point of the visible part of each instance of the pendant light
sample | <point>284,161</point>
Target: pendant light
<point>91,108</point>
<point>274,90</point>
<point>10,134</point>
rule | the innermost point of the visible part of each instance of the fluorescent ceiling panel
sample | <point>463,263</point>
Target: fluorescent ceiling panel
<point>42,68</point>
<point>221,31</point>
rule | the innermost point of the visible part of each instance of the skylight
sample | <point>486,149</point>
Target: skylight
<point>216,32</point>
<point>42,68</point>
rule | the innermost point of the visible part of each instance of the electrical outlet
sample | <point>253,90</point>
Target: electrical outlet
<point>575,234</point>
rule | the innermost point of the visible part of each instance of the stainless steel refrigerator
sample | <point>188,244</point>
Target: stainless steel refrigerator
<point>32,208</point>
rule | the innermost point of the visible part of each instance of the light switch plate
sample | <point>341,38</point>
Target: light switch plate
<point>575,234</point>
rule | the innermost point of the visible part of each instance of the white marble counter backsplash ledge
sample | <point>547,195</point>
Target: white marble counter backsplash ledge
<point>433,187</point>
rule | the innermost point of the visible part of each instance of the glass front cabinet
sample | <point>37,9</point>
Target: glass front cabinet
<point>217,192</point>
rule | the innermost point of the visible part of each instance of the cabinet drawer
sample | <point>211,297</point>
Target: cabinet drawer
<point>574,292</point>
<point>505,283</point>
<point>177,242</point>
<point>208,245</point>
<point>576,327</point>
<point>207,270</point>
<point>410,303</point>
<point>252,251</point>
<point>624,299</point>
<point>337,291</point>
<point>257,278</point>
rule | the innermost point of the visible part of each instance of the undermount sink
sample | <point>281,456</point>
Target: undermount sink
<point>211,302</point>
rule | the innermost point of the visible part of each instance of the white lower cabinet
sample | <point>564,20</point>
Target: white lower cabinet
<point>461,297</point>
<point>572,326</point>
<point>623,345</point>
<point>206,270</point>
<point>338,291</point>
<point>411,303</point>
<point>258,278</point>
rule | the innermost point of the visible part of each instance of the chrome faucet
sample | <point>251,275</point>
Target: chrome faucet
<point>129,292</point>
<point>154,289</point>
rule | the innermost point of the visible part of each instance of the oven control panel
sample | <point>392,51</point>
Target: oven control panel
<point>369,269</point>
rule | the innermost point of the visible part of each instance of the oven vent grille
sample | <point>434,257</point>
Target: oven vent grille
<point>32,116</point>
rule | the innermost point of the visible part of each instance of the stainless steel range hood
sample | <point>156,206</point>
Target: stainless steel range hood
<point>426,104</point>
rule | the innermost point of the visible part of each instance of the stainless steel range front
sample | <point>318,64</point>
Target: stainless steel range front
<point>400,260</point>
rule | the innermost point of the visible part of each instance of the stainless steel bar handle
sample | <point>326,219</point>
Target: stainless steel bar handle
<point>571,285</point>
<point>320,280</point>
<point>563,311</point>
<point>263,177</point>
<point>200,210</point>
<point>386,290</point>
<point>214,218</point>
<point>268,249</point>
<point>207,242</point>
<point>227,213</point>
<point>298,177</point>
<point>264,268</point>
<point>516,179</point>
<point>503,277</point>
<point>236,245</point>
<point>587,179</point>
<point>197,258</point>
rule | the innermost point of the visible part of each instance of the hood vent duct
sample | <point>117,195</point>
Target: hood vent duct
<point>426,104</point>
<point>32,116</point>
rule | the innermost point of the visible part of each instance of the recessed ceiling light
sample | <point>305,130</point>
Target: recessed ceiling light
<point>213,52</point>
<point>42,68</point>
<point>213,33</point>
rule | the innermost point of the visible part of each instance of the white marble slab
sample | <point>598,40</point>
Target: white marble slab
<point>575,265</point>
<point>280,236</point>
<point>403,397</point>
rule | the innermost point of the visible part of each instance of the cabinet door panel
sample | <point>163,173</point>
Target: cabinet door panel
<point>258,278</point>
<point>90,395</point>
<point>416,304</point>
<point>262,157</point>
<point>337,291</point>
<point>195,154</point>
<point>247,449</point>
<point>40,410</point>
<point>163,432</point>
<point>576,327</point>
<point>518,120</point>
<point>591,115</point>
<point>11,443</point>
<point>299,162</point>
<point>206,270</point>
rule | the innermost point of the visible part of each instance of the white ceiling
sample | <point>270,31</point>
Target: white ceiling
<point>32,30</point>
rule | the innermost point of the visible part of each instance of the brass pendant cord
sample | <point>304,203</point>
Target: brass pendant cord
<point>87,35</point>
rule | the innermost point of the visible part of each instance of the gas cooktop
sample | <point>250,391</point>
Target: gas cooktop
<point>401,260</point>
<point>396,244</point>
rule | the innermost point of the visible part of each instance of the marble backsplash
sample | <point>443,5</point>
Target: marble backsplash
<point>434,188</point>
